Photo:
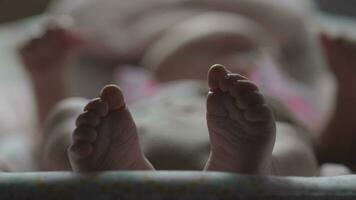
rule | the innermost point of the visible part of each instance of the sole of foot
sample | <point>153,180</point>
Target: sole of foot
<point>105,137</point>
<point>241,126</point>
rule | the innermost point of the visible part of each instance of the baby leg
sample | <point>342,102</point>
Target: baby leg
<point>57,133</point>
<point>293,155</point>
<point>45,59</point>
<point>337,141</point>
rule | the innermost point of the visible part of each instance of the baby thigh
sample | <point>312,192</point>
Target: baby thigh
<point>293,153</point>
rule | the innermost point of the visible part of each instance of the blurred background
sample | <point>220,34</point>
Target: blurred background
<point>21,20</point>
<point>123,37</point>
<point>15,9</point>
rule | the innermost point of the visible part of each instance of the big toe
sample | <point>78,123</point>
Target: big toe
<point>217,78</point>
<point>112,94</point>
<point>215,104</point>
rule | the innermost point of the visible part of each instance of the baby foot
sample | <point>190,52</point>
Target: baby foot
<point>49,52</point>
<point>106,136</point>
<point>45,58</point>
<point>337,140</point>
<point>340,53</point>
<point>241,126</point>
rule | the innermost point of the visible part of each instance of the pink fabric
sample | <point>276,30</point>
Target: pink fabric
<point>298,98</point>
<point>137,84</point>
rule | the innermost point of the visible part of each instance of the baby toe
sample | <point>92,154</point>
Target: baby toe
<point>113,96</point>
<point>97,105</point>
<point>236,77</point>
<point>249,100</point>
<point>84,133</point>
<point>88,118</point>
<point>214,104</point>
<point>80,150</point>
<point>218,78</point>
<point>245,86</point>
